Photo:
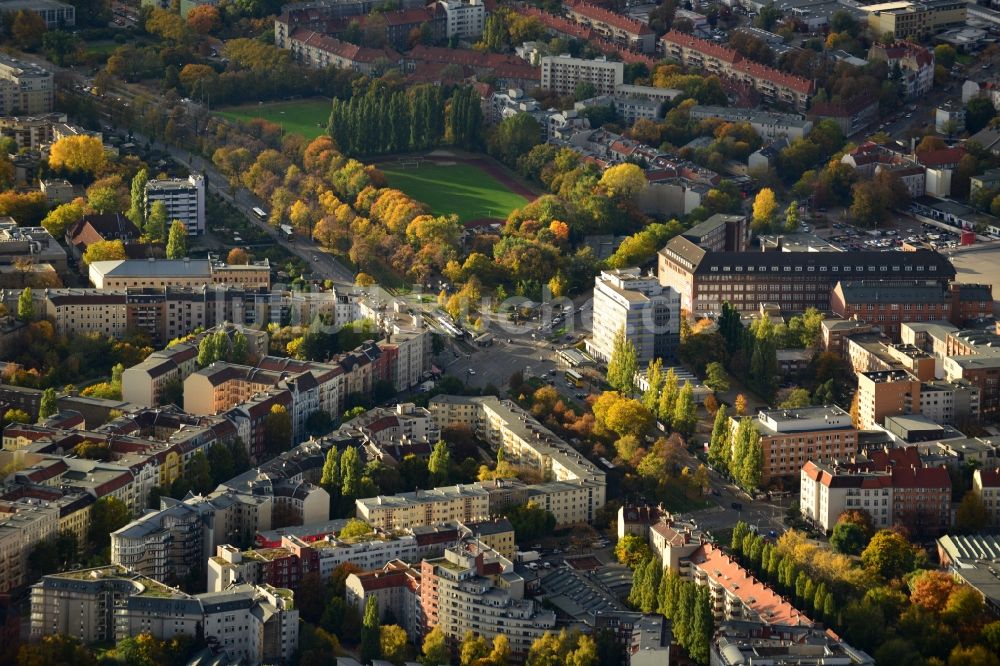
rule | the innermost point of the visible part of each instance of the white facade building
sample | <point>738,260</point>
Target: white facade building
<point>465,18</point>
<point>184,199</point>
<point>562,73</point>
<point>648,311</point>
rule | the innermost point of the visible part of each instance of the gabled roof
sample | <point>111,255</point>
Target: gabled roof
<point>595,13</point>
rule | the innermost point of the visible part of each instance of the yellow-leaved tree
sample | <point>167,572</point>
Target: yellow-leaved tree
<point>82,153</point>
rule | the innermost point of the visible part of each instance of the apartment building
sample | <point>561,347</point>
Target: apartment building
<point>906,19</point>
<point>166,545</point>
<point>25,88</point>
<point>892,485</point>
<point>284,563</point>
<point>474,588</point>
<point>790,437</point>
<point>323,15</point>
<point>163,273</point>
<point>319,51</point>
<point>24,524</point>
<point>465,18</point>
<point>616,28</point>
<point>896,392</point>
<point>312,387</point>
<point>916,65</point>
<point>184,199</point>
<point>524,440</point>
<point>769,125</point>
<point>986,484</point>
<point>561,74</point>
<point>571,502</point>
<point>634,102</point>
<point>982,371</point>
<point>396,589</point>
<point>31,132</point>
<point>736,594</point>
<point>626,299</point>
<point>756,642</point>
<point>772,84</point>
<point>252,624</point>
<point>462,503</point>
<point>57,15</point>
<point>794,281</point>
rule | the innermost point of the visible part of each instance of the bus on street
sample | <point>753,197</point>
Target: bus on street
<point>260,212</point>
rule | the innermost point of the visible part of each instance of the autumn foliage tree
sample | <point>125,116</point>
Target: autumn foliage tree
<point>204,19</point>
<point>80,153</point>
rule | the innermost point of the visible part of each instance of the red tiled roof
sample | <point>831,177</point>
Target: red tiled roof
<point>921,477</point>
<point>755,595</point>
<point>345,50</point>
<point>933,158</point>
<point>595,13</point>
<point>739,63</point>
<point>583,33</point>
<point>990,478</point>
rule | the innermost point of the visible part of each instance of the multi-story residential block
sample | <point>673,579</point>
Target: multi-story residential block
<point>906,19</point>
<point>754,642</point>
<point>25,88</point>
<point>570,502</point>
<point>616,28</point>
<point>720,233</point>
<point>735,593</point>
<point>916,64</point>
<point>794,281</point>
<point>892,485</point>
<point>57,15</point>
<point>324,15</point>
<point>184,199</point>
<point>162,273</point>
<point>474,588</point>
<point>524,440</point>
<point>31,132</point>
<point>982,371</point>
<point>462,503</point>
<point>251,624</point>
<point>790,437</point>
<point>24,524</point>
<point>143,384</point>
<point>167,544</point>
<point>561,74</point>
<point>772,84</point>
<point>649,314</point>
<point>316,50</point>
<point>986,484</point>
<point>949,119</point>
<point>634,102</point>
<point>769,125</point>
<point>836,332</point>
<point>396,589</point>
<point>465,18</point>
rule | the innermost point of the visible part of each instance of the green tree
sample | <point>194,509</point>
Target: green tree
<point>632,550</point>
<point>156,222</point>
<point>106,515</point>
<point>330,480</point>
<point>718,453</point>
<point>531,521</point>
<point>654,384</point>
<point>48,404</point>
<point>623,364</point>
<point>971,515</point>
<point>25,305</point>
<point>239,349</point>
<point>702,627</point>
<point>668,397</point>
<point>685,417</point>
<point>350,473</point>
<point>278,430</point>
<point>355,528</point>
<point>137,208</point>
<point>848,538</point>
<point>792,217</point>
<point>177,242</point>
<point>392,643</point>
<point>889,554</point>
<point>978,114</point>
<point>439,464</point>
<point>716,377</point>
<point>370,631</point>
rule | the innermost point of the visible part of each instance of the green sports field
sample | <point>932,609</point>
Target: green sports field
<point>462,189</point>
<point>307,117</point>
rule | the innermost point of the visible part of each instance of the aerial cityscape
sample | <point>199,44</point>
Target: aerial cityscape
<point>499,333</point>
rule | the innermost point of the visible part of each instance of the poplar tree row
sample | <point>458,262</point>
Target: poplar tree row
<point>383,121</point>
<point>686,604</point>
<point>737,451</point>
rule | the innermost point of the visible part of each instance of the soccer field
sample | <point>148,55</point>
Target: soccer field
<point>307,117</point>
<point>462,189</point>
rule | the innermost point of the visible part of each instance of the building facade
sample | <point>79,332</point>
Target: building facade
<point>649,314</point>
<point>561,74</point>
<point>25,89</point>
<point>184,199</point>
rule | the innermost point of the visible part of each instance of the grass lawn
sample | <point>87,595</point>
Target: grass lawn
<point>300,116</point>
<point>676,500</point>
<point>461,189</point>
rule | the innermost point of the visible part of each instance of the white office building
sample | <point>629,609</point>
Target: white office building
<point>184,199</point>
<point>649,313</point>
